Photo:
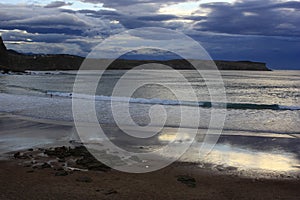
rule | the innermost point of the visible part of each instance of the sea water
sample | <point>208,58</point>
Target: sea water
<point>262,109</point>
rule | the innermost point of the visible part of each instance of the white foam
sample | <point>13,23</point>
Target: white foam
<point>126,99</point>
<point>151,101</point>
<point>61,109</point>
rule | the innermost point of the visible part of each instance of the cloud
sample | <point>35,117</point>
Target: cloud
<point>247,30</point>
<point>124,3</point>
<point>138,7</point>
<point>57,4</point>
<point>46,48</point>
<point>58,30</point>
<point>252,18</point>
<point>62,19</point>
<point>157,17</point>
<point>37,19</point>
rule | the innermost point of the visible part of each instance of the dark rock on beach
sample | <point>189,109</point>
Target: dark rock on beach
<point>110,191</point>
<point>63,152</point>
<point>86,160</point>
<point>61,173</point>
<point>45,165</point>
<point>187,180</point>
<point>19,155</point>
<point>84,179</point>
<point>60,152</point>
<point>62,160</point>
<point>90,163</point>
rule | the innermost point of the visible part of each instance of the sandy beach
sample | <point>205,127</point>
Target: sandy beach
<point>46,172</point>
<point>21,182</point>
<point>255,157</point>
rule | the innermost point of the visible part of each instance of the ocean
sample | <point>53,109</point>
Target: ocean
<point>261,129</point>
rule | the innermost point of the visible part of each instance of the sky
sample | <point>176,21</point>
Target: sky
<point>256,30</point>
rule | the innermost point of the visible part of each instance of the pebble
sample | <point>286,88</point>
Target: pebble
<point>61,173</point>
<point>187,180</point>
<point>84,179</point>
<point>110,191</point>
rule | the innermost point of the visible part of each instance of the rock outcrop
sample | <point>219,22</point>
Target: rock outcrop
<point>3,55</point>
<point>13,61</point>
<point>241,65</point>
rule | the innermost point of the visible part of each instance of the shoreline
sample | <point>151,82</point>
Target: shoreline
<point>21,133</point>
<point>44,177</point>
<point>36,157</point>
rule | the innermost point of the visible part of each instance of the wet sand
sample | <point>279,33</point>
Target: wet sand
<point>250,152</point>
<point>20,180</point>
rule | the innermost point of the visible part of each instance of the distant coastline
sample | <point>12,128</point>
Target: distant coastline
<point>11,60</point>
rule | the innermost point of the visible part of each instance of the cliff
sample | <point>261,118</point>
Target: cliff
<point>3,54</point>
<point>14,61</point>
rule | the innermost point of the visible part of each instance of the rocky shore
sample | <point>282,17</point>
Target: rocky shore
<point>61,159</point>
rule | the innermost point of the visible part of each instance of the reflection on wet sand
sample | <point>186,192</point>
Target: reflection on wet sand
<point>249,159</point>
<point>247,151</point>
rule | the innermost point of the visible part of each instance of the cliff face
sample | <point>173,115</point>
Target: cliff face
<point>201,64</point>
<point>13,61</point>
<point>241,65</point>
<point>19,62</point>
<point>3,54</point>
<point>2,46</point>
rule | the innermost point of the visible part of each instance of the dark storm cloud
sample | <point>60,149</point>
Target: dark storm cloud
<point>37,19</point>
<point>157,17</point>
<point>57,4</point>
<point>252,18</point>
<point>131,21</point>
<point>268,4</point>
<point>245,30</point>
<point>242,17</point>
<point>46,23</point>
<point>54,28</point>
